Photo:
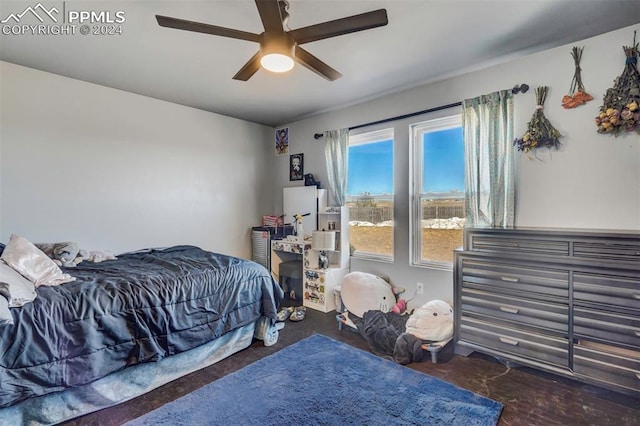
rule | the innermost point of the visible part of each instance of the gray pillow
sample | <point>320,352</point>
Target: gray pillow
<point>14,287</point>
<point>5,313</point>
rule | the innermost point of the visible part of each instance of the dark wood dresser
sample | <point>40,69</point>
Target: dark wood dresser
<point>561,300</point>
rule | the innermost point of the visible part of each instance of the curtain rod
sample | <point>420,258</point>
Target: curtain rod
<point>516,89</point>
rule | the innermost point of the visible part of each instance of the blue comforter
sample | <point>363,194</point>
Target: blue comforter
<point>139,308</point>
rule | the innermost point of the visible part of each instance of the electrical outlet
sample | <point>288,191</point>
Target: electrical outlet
<point>419,288</point>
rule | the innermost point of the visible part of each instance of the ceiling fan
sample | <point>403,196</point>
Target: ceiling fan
<point>279,47</point>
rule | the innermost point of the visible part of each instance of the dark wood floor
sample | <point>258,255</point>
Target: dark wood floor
<point>530,397</point>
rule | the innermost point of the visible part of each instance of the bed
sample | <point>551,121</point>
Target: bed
<point>145,309</point>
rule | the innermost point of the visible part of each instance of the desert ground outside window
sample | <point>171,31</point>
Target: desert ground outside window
<point>370,195</point>
<point>437,176</point>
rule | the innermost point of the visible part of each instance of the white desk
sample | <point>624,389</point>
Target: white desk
<point>318,284</point>
<point>284,250</point>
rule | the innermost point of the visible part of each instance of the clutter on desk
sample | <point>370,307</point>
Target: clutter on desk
<point>272,220</point>
<point>309,180</point>
<point>299,228</point>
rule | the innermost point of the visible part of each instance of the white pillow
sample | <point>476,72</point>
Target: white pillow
<point>5,314</point>
<point>32,263</point>
<point>17,289</point>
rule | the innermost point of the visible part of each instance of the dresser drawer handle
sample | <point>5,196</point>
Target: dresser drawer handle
<point>636,332</point>
<point>638,376</point>
<point>509,309</point>
<point>509,341</point>
<point>636,296</point>
<point>513,279</point>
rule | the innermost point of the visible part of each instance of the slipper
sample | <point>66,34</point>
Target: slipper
<point>283,314</point>
<point>298,314</point>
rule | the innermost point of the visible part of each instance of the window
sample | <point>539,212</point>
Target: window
<point>370,194</point>
<point>437,213</point>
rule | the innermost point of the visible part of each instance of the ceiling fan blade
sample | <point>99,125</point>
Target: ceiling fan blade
<point>249,69</point>
<point>270,15</point>
<point>351,24</point>
<point>316,65</point>
<point>198,27</point>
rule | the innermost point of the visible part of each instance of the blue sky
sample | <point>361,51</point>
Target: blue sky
<point>371,165</point>
<point>371,168</point>
<point>443,161</point>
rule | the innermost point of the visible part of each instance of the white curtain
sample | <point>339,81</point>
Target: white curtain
<point>335,152</point>
<point>489,159</point>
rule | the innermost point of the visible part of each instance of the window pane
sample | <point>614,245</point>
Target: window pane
<point>443,161</point>
<point>370,197</point>
<point>439,190</point>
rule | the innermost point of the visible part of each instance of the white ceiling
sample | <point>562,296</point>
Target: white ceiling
<point>425,40</point>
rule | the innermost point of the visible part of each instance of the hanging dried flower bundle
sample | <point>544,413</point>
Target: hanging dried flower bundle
<point>620,110</point>
<point>540,133</point>
<point>577,95</point>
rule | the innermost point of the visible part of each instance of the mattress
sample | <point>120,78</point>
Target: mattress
<point>140,308</point>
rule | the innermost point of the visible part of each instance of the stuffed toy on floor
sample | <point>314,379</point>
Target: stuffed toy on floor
<point>400,337</point>
<point>363,292</point>
<point>432,321</point>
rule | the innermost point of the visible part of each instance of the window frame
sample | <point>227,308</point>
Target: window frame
<point>367,137</point>
<point>416,130</point>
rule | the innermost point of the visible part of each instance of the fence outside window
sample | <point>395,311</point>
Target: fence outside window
<point>431,209</point>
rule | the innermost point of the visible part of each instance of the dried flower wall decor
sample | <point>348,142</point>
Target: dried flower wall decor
<point>577,95</point>
<point>540,132</point>
<point>620,110</point>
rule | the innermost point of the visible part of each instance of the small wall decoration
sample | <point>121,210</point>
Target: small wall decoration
<point>577,95</point>
<point>296,167</point>
<point>620,110</point>
<point>540,133</point>
<point>282,141</point>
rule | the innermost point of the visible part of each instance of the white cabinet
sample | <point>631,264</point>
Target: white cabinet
<point>319,287</point>
<point>303,200</point>
<point>336,218</point>
<point>319,284</point>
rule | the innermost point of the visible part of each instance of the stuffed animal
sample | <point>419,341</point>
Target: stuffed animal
<point>433,321</point>
<point>362,292</point>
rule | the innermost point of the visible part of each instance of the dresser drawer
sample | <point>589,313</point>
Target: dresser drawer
<point>524,313</point>
<point>607,289</point>
<point>517,244</point>
<point>628,249</point>
<point>536,347</point>
<point>512,278</point>
<point>607,326</point>
<point>611,369</point>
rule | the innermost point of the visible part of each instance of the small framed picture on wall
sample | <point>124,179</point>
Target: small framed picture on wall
<point>296,167</point>
<point>282,141</point>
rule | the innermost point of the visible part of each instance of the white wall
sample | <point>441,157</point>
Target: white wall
<point>592,182</point>
<point>118,171</point>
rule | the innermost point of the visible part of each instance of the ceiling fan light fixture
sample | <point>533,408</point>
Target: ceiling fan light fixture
<point>276,62</point>
<point>277,52</point>
<point>280,45</point>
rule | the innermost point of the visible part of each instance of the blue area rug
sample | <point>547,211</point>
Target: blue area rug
<point>321,381</point>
